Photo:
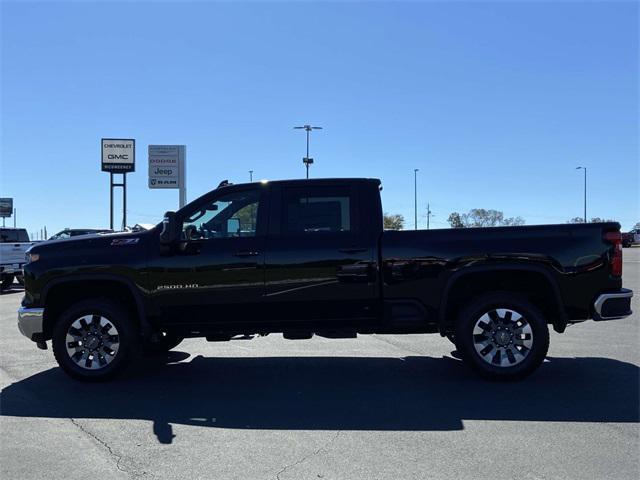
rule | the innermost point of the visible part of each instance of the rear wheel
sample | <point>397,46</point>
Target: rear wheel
<point>502,336</point>
<point>94,340</point>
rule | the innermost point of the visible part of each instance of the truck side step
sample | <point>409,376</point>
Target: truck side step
<point>337,334</point>
<point>297,335</point>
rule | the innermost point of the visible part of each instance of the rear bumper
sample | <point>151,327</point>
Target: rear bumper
<point>30,322</point>
<point>613,305</point>
<point>11,269</point>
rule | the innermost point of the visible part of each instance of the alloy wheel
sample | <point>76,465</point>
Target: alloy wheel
<point>92,342</point>
<point>502,337</point>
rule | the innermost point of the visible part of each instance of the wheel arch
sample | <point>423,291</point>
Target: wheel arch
<point>535,282</point>
<point>60,294</point>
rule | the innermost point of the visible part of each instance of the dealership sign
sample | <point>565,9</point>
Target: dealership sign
<point>118,155</point>
<point>6,207</point>
<point>166,166</point>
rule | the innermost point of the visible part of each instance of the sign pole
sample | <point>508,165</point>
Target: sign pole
<point>111,200</point>
<point>183,177</point>
<point>124,201</point>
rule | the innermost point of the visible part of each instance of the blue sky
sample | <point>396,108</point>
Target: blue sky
<point>495,102</point>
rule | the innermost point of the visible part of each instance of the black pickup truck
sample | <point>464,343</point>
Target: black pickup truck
<point>310,257</point>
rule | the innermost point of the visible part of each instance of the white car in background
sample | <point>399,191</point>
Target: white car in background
<point>14,242</point>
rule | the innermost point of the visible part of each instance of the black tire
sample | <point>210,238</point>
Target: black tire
<point>509,330</point>
<point>166,342</point>
<point>125,346</point>
<point>7,281</point>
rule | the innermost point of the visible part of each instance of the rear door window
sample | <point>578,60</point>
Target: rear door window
<point>317,210</point>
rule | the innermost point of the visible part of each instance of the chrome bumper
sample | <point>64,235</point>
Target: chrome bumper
<point>30,321</point>
<point>613,306</point>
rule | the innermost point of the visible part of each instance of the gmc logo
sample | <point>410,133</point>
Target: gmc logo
<point>113,156</point>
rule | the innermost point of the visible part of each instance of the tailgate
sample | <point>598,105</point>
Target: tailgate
<point>13,253</point>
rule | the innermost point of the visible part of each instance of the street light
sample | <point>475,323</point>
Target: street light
<point>585,191</point>
<point>251,176</point>
<point>415,198</point>
<point>306,160</point>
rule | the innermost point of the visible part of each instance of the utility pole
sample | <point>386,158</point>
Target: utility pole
<point>429,215</point>
<point>251,176</point>
<point>307,160</point>
<point>14,218</point>
<point>585,191</point>
<point>415,198</point>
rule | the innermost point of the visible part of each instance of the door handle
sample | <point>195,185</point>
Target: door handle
<point>353,250</point>
<point>246,253</point>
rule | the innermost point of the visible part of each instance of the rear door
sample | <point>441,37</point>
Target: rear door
<point>319,263</point>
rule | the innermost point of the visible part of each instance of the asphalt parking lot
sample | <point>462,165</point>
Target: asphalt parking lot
<point>379,407</point>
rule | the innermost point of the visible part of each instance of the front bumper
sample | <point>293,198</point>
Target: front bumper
<point>613,305</point>
<point>30,322</point>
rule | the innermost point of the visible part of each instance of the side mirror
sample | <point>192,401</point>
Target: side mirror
<point>169,233</point>
<point>233,226</point>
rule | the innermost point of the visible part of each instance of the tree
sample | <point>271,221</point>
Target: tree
<point>513,222</point>
<point>576,220</point>
<point>455,221</point>
<point>480,217</point>
<point>393,222</point>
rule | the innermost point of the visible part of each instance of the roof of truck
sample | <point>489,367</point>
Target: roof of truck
<point>306,181</point>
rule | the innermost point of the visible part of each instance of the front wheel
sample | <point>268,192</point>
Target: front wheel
<point>502,336</point>
<point>94,340</point>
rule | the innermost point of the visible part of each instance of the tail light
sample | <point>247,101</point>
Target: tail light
<point>615,260</point>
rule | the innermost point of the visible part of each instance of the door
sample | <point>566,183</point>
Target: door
<point>319,265</point>
<point>215,275</point>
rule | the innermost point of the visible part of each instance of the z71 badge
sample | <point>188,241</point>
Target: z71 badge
<point>124,241</point>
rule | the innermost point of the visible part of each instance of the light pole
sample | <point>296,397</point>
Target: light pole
<point>251,175</point>
<point>429,214</point>
<point>585,191</point>
<point>306,160</point>
<point>415,198</point>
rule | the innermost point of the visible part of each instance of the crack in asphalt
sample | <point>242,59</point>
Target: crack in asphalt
<point>113,454</point>
<point>324,448</point>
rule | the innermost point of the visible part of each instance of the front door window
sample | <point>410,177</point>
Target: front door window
<point>231,215</point>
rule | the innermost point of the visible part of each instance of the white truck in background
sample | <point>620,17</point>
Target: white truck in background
<point>14,243</point>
